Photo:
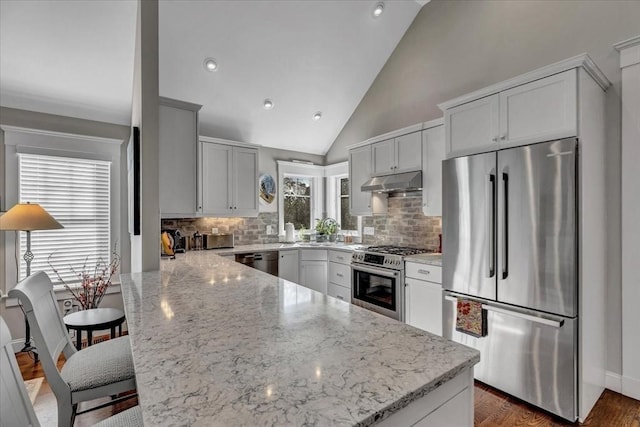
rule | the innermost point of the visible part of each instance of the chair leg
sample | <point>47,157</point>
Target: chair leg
<point>66,414</point>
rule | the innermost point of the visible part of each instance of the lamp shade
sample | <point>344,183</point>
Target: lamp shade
<point>28,217</point>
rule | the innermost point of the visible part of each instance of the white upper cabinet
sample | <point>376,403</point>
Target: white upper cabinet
<point>408,152</point>
<point>245,181</point>
<point>397,155</point>
<point>359,173</point>
<point>384,160</point>
<point>473,126</point>
<point>433,153</point>
<point>229,180</point>
<point>542,109</point>
<point>177,140</point>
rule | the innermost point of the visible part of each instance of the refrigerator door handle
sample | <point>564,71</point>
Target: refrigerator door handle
<point>505,233</point>
<point>490,194</point>
<point>556,323</point>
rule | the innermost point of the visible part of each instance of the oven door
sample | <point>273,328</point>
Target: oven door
<point>378,289</point>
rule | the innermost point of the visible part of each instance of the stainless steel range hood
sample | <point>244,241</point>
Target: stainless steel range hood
<point>408,181</point>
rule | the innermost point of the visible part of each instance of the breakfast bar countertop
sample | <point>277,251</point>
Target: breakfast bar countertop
<point>218,343</point>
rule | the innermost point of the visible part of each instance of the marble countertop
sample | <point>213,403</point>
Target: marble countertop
<point>218,343</point>
<point>284,246</point>
<point>427,258</point>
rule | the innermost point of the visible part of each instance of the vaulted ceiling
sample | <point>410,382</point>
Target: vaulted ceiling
<point>75,58</point>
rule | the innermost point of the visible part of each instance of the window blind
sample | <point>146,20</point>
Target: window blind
<point>76,192</point>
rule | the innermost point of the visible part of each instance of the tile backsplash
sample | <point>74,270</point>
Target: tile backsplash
<point>404,224</point>
<point>246,231</point>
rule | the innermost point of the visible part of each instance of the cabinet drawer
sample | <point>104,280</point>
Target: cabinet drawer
<point>340,257</point>
<point>431,273</point>
<point>313,254</point>
<point>340,274</point>
<point>339,292</point>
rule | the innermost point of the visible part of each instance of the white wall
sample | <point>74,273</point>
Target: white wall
<point>455,47</point>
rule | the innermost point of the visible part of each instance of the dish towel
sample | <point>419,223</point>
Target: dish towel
<point>472,318</point>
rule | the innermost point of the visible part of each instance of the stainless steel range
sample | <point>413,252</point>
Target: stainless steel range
<point>377,279</point>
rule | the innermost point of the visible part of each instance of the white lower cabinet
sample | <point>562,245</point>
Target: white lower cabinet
<point>339,292</point>
<point>339,275</point>
<point>288,265</point>
<point>423,298</point>
<point>313,269</point>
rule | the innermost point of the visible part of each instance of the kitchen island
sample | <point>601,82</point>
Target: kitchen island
<point>218,343</point>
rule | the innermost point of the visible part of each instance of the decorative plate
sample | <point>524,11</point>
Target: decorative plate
<point>267,188</point>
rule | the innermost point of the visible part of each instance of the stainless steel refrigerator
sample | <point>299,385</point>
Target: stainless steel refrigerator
<point>510,242</point>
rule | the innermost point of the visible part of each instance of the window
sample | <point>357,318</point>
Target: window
<point>76,192</point>
<point>346,220</point>
<point>297,201</point>
<point>301,195</point>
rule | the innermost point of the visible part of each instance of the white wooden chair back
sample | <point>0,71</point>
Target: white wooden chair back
<point>15,406</point>
<point>49,332</point>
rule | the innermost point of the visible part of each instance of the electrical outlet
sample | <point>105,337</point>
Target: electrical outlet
<point>269,229</point>
<point>67,306</point>
<point>368,231</point>
<point>214,230</point>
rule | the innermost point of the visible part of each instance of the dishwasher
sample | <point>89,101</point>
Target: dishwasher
<point>266,261</point>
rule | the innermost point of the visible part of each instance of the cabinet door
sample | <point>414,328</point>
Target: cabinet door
<point>177,160</point>
<point>472,127</point>
<point>359,173</point>
<point>216,178</point>
<point>340,292</point>
<point>245,181</point>
<point>313,275</point>
<point>409,152</point>
<point>432,157</point>
<point>539,111</point>
<point>424,305</point>
<point>340,274</point>
<point>288,265</point>
<point>383,154</point>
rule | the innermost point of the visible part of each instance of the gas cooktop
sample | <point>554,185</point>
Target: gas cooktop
<point>396,250</point>
<point>387,256</point>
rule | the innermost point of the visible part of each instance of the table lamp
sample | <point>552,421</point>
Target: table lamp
<point>28,217</point>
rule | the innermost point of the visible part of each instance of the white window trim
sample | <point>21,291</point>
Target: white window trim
<point>36,141</point>
<point>317,187</point>
<point>334,173</point>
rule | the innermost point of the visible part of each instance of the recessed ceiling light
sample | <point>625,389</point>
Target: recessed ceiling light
<point>317,116</point>
<point>268,104</point>
<point>210,64</point>
<point>377,11</point>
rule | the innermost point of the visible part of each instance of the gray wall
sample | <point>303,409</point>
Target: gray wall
<point>455,47</point>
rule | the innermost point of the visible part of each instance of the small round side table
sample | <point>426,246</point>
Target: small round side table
<point>94,319</point>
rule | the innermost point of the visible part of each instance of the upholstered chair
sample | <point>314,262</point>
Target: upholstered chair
<point>15,406</point>
<point>101,370</point>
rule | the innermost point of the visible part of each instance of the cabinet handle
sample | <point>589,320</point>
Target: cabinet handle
<point>503,137</point>
<point>391,168</point>
<point>339,257</point>
<point>421,271</point>
<point>494,139</point>
<point>230,207</point>
<point>339,274</point>
<point>340,297</point>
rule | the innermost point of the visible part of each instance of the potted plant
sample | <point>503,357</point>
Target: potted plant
<point>326,229</point>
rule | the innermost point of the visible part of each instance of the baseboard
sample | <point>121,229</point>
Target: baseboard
<point>613,382</point>
<point>631,387</point>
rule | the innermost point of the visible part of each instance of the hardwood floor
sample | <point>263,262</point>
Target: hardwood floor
<point>492,407</point>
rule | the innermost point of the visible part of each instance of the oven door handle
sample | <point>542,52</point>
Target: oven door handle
<point>379,272</point>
